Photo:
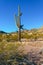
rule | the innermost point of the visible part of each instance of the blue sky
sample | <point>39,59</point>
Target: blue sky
<point>32,14</point>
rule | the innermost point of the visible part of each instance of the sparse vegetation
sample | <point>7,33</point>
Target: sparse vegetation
<point>11,55</point>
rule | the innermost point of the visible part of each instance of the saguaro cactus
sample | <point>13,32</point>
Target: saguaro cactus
<point>18,23</point>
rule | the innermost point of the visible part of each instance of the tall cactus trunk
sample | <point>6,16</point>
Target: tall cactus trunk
<point>19,35</point>
<point>18,23</point>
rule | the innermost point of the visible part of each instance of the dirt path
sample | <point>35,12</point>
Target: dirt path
<point>35,46</point>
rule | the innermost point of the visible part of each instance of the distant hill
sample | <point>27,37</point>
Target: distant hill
<point>2,32</point>
<point>26,31</point>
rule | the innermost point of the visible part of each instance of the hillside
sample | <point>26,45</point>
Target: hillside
<point>27,52</point>
<point>33,34</point>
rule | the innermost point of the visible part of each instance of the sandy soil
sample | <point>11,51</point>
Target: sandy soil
<point>35,46</point>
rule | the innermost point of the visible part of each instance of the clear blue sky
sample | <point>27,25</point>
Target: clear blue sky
<point>32,14</point>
